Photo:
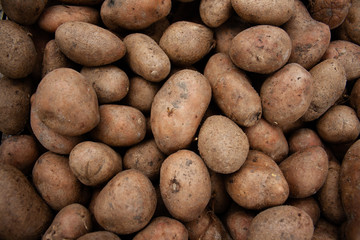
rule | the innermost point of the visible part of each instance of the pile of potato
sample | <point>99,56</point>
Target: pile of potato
<point>180,119</point>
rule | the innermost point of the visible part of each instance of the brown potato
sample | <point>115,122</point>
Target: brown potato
<point>309,37</point>
<point>156,30</point>
<point>214,12</point>
<point>237,221</point>
<point>126,204</point>
<point>185,185</point>
<point>339,124</point>
<point>220,199</point>
<point>133,15</point>
<point>352,21</point>
<point>111,84</point>
<point>53,16</point>
<point>178,107</point>
<point>309,205</point>
<point>89,44</point>
<point>163,228</point>
<point>146,58</point>
<point>222,144</point>
<point>23,213</point>
<point>24,13</point>
<point>261,49</point>
<point>286,95</point>
<point>281,222</point>
<point>119,126</point>
<point>186,42</point>
<point>303,138</point>
<point>258,184</point>
<point>268,139</point>
<point>82,2</point>
<point>325,231</point>
<point>99,235</point>
<point>18,53</point>
<point>355,97</point>
<point>313,163</point>
<point>70,222</point>
<point>67,103</point>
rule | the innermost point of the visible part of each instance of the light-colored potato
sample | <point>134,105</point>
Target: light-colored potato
<point>214,12</point>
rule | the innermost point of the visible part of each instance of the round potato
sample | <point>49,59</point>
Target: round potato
<point>126,204</point>
<point>237,221</point>
<point>24,13</point>
<point>185,185</point>
<point>303,138</point>
<point>99,235</point>
<point>214,12</point>
<point>308,205</point>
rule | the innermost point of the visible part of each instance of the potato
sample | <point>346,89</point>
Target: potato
<point>348,54</point>
<point>133,15</point>
<point>232,91</point>
<point>286,95</point>
<point>332,13</point>
<point>20,151</point>
<point>261,49</point>
<point>163,228</point>
<point>303,138</point>
<point>178,107</point>
<point>186,42</point>
<point>126,204</point>
<point>185,185</point>
<point>24,13</point>
<point>264,12</point>
<point>258,184</point>
<point>141,93</point>
<point>222,144</point>
<point>309,37</point>
<point>237,221</point>
<point>18,53</point>
<point>111,84</point>
<point>119,126</point>
<point>329,85</point>
<point>281,222</point>
<point>146,58</point>
<point>99,235</point>
<point>23,213</point>
<point>339,124</point>
<point>214,13</point>
<point>268,139</point>
<point>55,181</point>
<point>220,199</point>
<point>82,2</point>
<point>325,231</point>
<point>70,222</point>
<point>309,205</point>
<point>355,97</point>
<point>88,44</point>
<point>14,104</point>
<point>145,157</point>
<point>67,103</point>
<point>313,162</point>
<point>352,21</point>
<point>55,15</point>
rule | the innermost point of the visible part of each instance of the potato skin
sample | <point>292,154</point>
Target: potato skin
<point>286,95</point>
<point>89,44</point>
<point>352,21</point>
<point>303,138</point>
<point>18,53</point>
<point>185,185</point>
<point>24,13</point>
<point>261,49</point>
<point>214,12</point>
<point>309,205</point>
<point>99,235</point>
<point>179,106</point>
<point>23,213</point>
<point>114,207</point>
<point>355,97</point>
<point>279,222</point>
<point>237,220</point>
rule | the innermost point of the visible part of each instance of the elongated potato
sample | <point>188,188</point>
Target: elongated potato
<point>178,107</point>
<point>238,220</point>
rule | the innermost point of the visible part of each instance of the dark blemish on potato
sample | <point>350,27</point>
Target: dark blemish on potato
<point>138,218</point>
<point>299,214</point>
<point>170,112</point>
<point>255,159</point>
<point>175,185</point>
<point>110,205</point>
<point>150,163</point>
<point>282,220</point>
<point>111,3</point>
<point>188,162</point>
<point>184,95</point>
<point>231,181</point>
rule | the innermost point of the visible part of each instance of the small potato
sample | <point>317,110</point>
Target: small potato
<point>146,58</point>
<point>237,221</point>
<point>264,12</point>
<point>99,235</point>
<point>222,144</point>
<point>313,163</point>
<point>70,222</point>
<point>89,44</point>
<point>126,204</point>
<point>111,84</point>
<point>258,184</point>
<point>18,52</point>
<point>133,15</point>
<point>53,16</point>
<point>220,199</point>
<point>281,222</point>
<point>185,185</point>
<point>329,85</point>
<point>339,124</point>
<point>55,181</point>
<point>261,49</point>
<point>286,95</point>
<point>325,231</point>
<point>355,97</point>
<point>303,138</point>
<point>178,107</point>
<point>163,228</point>
<point>23,213</point>
<point>214,12</point>
<point>67,103</point>
<point>145,157</point>
<point>21,12</point>
<point>119,126</point>
<point>268,139</point>
<point>352,21</point>
<point>186,42</point>
<point>309,205</point>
